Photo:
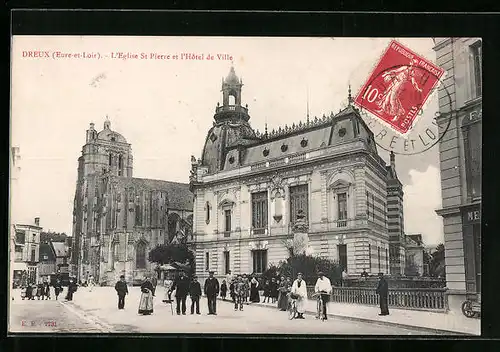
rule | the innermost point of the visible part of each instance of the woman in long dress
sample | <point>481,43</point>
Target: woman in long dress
<point>254,290</point>
<point>299,289</point>
<point>146,302</point>
<point>284,288</point>
<point>167,283</point>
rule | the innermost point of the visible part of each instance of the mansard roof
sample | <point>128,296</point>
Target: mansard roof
<point>178,194</point>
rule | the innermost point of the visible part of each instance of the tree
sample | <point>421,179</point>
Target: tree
<point>172,253</point>
<point>437,262</point>
<point>51,236</point>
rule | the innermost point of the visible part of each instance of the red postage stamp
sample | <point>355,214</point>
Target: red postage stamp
<point>398,87</point>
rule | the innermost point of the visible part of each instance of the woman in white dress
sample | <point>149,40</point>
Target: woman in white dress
<point>167,283</point>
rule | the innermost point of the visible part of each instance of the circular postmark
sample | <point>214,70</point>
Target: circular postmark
<point>396,102</point>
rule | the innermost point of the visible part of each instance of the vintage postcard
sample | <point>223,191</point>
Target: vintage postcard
<point>255,185</point>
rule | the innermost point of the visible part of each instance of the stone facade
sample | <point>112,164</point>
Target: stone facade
<point>460,160</point>
<point>248,188</point>
<point>395,220</point>
<point>117,218</point>
<point>26,255</point>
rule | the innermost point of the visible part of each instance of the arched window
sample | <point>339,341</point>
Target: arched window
<point>140,256</point>
<point>173,225</point>
<point>232,100</point>
<point>119,165</point>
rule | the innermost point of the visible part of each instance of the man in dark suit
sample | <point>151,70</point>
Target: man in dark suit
<point>122,290</point>
<point>211,290</point>
<point>181,287</point>
<point>383,292</point>
<point>195,293</point>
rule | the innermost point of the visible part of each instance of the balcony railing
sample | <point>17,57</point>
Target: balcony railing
<point>237,108</point>
<point>432,299</point>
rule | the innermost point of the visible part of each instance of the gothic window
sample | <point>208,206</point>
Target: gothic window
<point>120,165</point>
<point>140,256</point>
<point>138,211</point>
<point>259,211</point>
<point>173,225</point>
<point>110,159</point>
<point>298,201</point>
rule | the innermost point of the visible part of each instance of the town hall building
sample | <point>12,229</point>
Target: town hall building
<point>117,218</point>
<point>249,187</point>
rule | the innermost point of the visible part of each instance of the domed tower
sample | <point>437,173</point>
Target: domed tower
<point>231,128</point>
<point>106,151</point>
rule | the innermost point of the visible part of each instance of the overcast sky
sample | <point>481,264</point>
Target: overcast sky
<point>164,108</point>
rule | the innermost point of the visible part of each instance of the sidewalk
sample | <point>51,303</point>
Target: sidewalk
<point>451,323</point>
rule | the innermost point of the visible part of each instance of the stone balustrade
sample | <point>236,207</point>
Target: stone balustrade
<point>432,299</point>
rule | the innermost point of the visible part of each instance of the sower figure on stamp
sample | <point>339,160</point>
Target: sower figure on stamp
<point>195,293</point>
<point>211,290</point>
<point>383,292</point>
<point>181,287</point>
<point>122,290</point>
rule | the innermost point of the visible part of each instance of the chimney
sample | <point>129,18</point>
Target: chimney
<point>37,221</point>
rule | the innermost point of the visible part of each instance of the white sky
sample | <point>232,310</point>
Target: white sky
<point>165,108</point>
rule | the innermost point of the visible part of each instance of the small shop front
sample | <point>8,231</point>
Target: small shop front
<point>471,228</point>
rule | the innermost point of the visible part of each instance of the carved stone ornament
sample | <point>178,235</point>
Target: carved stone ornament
<point>300,225</point>
<point>277,186</point>
<point>277,218</point>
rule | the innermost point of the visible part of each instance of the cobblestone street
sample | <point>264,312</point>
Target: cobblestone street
<point>97,312</point>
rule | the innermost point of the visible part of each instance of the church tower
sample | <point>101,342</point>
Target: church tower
<point>104,154</point>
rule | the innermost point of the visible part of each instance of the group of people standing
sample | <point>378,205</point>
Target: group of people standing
<point>42,290</point>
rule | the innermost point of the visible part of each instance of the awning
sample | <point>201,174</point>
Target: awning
<point>167,267</point>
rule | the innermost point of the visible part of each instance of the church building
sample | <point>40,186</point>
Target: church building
<point>249,188</point>
<point>117,218</point>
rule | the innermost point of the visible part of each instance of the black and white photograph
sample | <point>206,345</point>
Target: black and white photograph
<point>245,185</point>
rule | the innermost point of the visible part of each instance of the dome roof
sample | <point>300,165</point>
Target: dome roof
<point>232,78</point>
<point>109,135</point>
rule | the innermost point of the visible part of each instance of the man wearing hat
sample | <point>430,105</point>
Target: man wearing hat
<point>383,292</point>
<point>181,287</point>
<point>211,289</point>
<point>121,290</point>
<point>195,293</point>
<point>324,289</point>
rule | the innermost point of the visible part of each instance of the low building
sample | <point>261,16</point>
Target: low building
<point>415,256</point>
<point>25,257</point>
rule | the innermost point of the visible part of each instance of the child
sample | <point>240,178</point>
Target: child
<point>266,292</point>
<point>223,290</point>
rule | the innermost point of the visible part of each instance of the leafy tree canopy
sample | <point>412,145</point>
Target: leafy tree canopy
<point>52,236</point>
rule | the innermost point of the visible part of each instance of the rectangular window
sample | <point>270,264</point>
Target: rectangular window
<point>259,212</point>
<point>473,159</point>
<point>299,201</point>
<point>207,261</point>
<point>20,237</point>
<point>342,252</point>
<point>226,262</point>
<point>386,261</point>
<point>227,217</point>
<point>373,207</point>
<point>342,209</point>
<point>207,214</point>
<point>476,51</point>
<point>33,254</point>
<point>368,205</point>
<point>259,261</point>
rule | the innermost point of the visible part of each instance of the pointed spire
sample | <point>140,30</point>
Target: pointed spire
<point>265,130</point>
<point>349,96</point>
<point>308,102</point>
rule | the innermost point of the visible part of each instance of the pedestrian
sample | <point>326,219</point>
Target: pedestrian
<point>46,289</point>
<point>229,277</point>
<point>299,289</point>
<point>57,288</point>
<point>146,301</point>
<point>154,282</point>
<point>29,292</point>
<point>247,287</point>
<point>181,287</point>
<point>211,289</point>
<point>383,292</point>
<point>122,290</point>
<point>72,288</point>
<point>168,283</point>
<point>195,294</point>
<point>324,288</point>
<point>39,290</point>
<point>273,290</point>
<point>344,278</point>
<point>284,289</point>
<point>267,292</point>
<point>240,289</point>
<point>232,290</point>
<point>91,283</point>
<point>223,290</point>
<point>254,290</point>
